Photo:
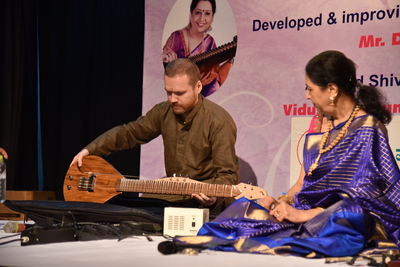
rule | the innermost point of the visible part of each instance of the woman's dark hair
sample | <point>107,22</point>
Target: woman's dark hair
<point>335,67</point>
<point>195,2</point>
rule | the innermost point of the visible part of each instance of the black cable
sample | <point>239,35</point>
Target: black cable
<point>19,239</point>
<point>8,236</point>
<point>104,227</point>
<point>73,219</point>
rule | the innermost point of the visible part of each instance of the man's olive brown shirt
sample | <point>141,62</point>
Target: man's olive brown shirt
<point>202,146</point>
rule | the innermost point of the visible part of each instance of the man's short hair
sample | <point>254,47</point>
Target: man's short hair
<point>183,66</point>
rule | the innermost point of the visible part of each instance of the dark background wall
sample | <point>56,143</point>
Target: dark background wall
<point>69,70</point>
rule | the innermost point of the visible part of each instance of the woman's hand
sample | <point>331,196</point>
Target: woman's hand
<point>168,55</point>
<point>267,202</point>
<point>283,211</point>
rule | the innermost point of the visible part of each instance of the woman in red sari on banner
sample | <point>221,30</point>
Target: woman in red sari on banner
<point>193,40</point>
<point>347,198</point>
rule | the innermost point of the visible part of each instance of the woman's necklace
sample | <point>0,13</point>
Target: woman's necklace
<point>334,142</point>
<point>189,48</point>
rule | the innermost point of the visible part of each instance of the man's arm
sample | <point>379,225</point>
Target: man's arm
<point>122,137</point>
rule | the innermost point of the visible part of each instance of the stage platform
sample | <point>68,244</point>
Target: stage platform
<point>131,251</point>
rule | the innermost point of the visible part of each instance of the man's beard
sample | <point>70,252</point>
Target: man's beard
<point>178,110</point>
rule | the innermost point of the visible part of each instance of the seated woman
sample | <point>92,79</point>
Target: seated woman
<point>347,198</point>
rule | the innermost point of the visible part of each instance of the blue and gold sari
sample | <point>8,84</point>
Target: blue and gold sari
<point>358,182</point>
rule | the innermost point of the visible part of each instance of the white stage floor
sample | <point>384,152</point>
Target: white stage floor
<point>132,251</point>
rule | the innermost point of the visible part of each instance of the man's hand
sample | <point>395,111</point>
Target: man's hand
<point>204,200</point>
<point>78,158</point>
<point>3,152</point>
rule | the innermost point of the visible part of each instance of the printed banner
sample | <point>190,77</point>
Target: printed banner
<point>264,90</point>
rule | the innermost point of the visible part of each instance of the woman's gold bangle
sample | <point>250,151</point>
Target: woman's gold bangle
<point>290,200</point>
<point>320,208</point>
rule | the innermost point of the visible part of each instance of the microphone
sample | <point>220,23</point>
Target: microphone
<point>171,247</point>
<point>13,227</point>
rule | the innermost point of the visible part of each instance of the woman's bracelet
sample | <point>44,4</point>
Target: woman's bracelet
<point>320,208</point>
<point>289,200</point>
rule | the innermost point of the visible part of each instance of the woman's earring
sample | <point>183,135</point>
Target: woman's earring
<point>332,99</point>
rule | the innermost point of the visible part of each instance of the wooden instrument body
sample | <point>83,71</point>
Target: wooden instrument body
<point>98,181</point>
